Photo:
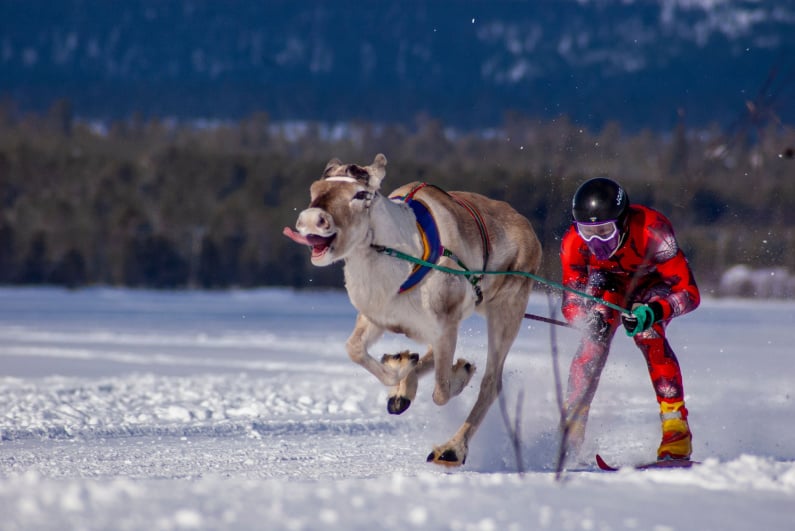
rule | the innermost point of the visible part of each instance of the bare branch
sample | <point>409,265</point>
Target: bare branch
<point>514,431</point>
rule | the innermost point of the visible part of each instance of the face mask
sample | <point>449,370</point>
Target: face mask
<point>602,238</point>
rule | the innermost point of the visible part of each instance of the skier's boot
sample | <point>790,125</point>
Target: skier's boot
<point>676,437</point>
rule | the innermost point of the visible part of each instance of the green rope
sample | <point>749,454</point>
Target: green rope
<point>467,273</point>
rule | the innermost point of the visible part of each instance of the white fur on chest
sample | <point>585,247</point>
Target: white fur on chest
<point>374,292</point>
<point>373,280</point>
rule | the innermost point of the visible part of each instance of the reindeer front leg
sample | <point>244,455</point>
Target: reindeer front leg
<point>504,322</point>
<point>450,381</point>
<point>392,368</point>
<point>401,396</point>
<point>450,378</point>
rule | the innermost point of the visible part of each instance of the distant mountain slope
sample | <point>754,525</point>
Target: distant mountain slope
<point>464,61</point>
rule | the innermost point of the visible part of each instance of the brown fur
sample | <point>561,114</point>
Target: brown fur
<point>348,212</point>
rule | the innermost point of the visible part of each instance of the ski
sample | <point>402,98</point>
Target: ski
<point>666,463</point>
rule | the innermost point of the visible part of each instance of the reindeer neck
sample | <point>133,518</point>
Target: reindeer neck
<point>394,225</point>
<point>374,279</point>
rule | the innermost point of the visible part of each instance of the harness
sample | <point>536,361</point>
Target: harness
<point>432,248</point>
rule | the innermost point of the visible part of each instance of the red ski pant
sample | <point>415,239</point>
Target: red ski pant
<point>601,324</point>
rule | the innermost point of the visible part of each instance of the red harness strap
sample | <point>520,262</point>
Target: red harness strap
<point>469,207</point>
<point>484,233</point>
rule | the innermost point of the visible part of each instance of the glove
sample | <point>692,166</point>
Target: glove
<point>596,327</point>
<point>643,316</point>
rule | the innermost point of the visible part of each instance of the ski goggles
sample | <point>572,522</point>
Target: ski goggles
<point>603,230</point>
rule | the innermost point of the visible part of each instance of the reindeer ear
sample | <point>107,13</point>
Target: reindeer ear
<point>333,163</point>
<point>377,171</point>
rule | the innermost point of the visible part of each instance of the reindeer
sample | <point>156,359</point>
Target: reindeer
<point>349,219</point>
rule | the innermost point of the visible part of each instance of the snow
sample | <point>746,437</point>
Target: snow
<point>123,409</point>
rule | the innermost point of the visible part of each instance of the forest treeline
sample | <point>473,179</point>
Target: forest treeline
<point>151,203</point>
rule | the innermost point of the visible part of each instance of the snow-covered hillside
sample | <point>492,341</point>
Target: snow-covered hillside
<point>466,62</point>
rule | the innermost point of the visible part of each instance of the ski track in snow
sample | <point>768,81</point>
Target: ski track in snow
<point>145,410</point>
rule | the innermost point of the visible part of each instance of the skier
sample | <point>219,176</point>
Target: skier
<point>625,255</point>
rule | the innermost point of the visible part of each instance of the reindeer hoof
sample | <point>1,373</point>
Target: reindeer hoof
<point>397,404</point>
<point>401,358</point>
<point>446,458</point>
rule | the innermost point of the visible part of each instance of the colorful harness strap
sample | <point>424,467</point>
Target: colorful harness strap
<point>484,234</point>
<point>432,247</point>
<point>429,233</point>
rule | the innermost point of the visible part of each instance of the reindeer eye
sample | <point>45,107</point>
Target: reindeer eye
<point>362,195</point>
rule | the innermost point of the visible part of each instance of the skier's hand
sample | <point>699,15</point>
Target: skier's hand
<point>642,318</point>
<point>596,326</point>
<point>631,322</point>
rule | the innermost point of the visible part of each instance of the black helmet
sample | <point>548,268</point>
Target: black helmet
<point>599,199</point>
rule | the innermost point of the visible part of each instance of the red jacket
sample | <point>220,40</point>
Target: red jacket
<point>648,256</point>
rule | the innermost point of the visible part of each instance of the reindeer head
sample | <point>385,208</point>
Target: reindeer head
<point>337,218</point>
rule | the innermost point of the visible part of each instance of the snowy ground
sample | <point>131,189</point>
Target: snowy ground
<point>142,410</point>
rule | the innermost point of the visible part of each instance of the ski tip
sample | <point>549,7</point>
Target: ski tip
<point>603,465</point>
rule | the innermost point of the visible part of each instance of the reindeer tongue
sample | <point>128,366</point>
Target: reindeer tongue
<point>290,233</point>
